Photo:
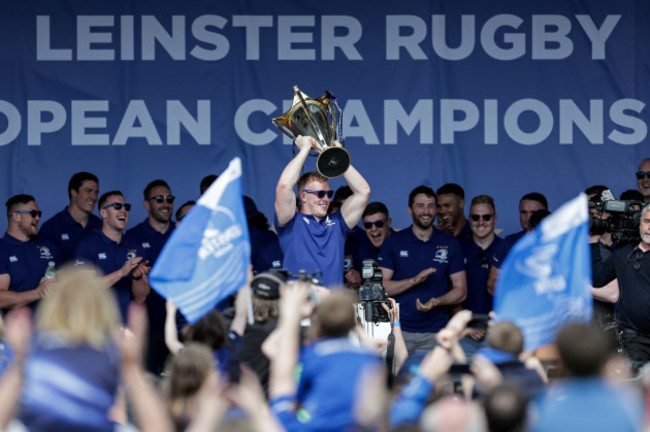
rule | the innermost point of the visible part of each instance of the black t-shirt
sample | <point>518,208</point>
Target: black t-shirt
<point>631,267</point>
<point>599,254</point>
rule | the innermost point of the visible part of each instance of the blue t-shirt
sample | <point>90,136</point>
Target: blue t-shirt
<point>407,256</point>
<point>313,245</point>
<point>68,387</point>
<point>477,268</point>
<point>329,386</point>
<point>26,262</point>
<point>65,232</point>
<point>266,252</point>
<point>500,253</point>
<point>150,242</point>
<point>97,249</point>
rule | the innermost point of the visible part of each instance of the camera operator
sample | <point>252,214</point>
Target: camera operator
<point>600,242</point>
<point>629,265</point>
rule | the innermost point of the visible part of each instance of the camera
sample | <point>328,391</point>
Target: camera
<point>372,293</point>
<point>623,222</point>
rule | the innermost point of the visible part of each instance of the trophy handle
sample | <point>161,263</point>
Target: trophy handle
<point>284,124</point>
<point>303,104</point>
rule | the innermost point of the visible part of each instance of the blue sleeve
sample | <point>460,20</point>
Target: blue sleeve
<point>457,259</point>
<point>410,403</point>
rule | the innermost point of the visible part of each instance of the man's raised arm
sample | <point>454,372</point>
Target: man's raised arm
<point>353,207</point>
<point>285,200</point>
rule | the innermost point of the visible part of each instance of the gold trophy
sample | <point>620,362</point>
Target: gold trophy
<point>320,119</point>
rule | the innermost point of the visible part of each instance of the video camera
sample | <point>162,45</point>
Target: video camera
<point>623,222</point>
<point>303,276</point>
<point>372,293</point>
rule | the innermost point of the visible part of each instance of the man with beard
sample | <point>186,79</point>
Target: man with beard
<point>150,235</point>
<point>313,240</point>
<point>630,267</point>
<point>120,260</point>
<point>66,228</point>
<point>23,258</point>
<point>423,271</point>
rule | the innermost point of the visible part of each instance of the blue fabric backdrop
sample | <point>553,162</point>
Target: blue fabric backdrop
<point>503,97</point>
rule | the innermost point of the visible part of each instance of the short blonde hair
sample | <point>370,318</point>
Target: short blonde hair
<point>81,307</point>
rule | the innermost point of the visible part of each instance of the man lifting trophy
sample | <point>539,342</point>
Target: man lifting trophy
<point>320,119</point>
<point>312,240</point>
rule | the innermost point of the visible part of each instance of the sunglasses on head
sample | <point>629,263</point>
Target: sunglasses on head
<point>118,206</point>
<point>320,193</point>
<point>642,174</point>
<point>160,198</point>
<point>378,224</point>
<point>476,217</point>
<point>32,213</point>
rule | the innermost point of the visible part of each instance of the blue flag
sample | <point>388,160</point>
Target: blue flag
<point>545,279</point>
<point>206,258</point>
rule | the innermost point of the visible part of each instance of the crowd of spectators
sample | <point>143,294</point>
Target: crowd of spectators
<point>78,353</point>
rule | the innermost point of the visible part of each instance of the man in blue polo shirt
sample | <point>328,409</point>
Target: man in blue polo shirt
<point>312,240</point>
<point>23,258</point>
<point>418,264</point>
<point>150,236</point>
<point>478,251</point>
<point>66,228</point>
<point>120,260</point>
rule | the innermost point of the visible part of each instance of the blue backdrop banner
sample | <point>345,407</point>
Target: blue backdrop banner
<point>502,97</point>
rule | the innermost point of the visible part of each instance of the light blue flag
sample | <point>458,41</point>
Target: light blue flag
<point>206,258</point>
<point>545,279</point>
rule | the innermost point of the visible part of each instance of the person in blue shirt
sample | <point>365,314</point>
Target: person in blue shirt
<point>120,260</point>
<point>423,271</point>
<point>150,236</point>
<point>451,216</point>
<point>529,204</point>
<point>23,257</point>
<point>312,240</point>
<point>66,228</point>
<point>478,251</point>
<point>376,226</point>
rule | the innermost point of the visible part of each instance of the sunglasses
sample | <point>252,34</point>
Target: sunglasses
<point>378,224</point>
<point>160,198</point>
<point>476,217</point>
<point>321,193</point>
<point>118,206</point>
<point>636,257</point>
<point>642,174</point>
<point>32,213</point>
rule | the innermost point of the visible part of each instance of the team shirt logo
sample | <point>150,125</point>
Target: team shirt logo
<point>13,258</point>
<point>146,245</point>
<point>404,254</point>
<point>65,237</point>
<point>441,256</point>
<point>101,255</point>
<point>45,252</point>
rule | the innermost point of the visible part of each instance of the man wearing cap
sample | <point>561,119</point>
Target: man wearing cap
<point>23,257</point>
<point>312,240</point>
<point>150,236</point>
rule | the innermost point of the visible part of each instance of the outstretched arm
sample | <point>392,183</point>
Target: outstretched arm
<point>285,200</point>
<point>353,207</point>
